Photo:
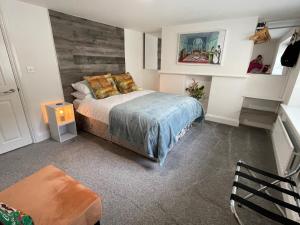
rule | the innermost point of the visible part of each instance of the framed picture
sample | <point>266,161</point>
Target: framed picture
<point>201,48</point>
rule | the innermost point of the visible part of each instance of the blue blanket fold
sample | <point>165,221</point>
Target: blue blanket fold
<point>152,122</point>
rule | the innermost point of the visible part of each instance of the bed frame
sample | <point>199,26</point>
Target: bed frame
<point>100,129</point>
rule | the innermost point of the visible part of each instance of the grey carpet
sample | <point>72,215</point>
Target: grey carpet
<point>192,188</point>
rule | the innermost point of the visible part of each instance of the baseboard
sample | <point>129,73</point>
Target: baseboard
<point>41,137</point>
<point>221,119</point>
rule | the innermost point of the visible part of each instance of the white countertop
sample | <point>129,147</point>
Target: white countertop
<point>293,113</point>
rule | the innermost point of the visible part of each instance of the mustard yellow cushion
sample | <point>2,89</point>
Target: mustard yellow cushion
<point>125,83</point>
<point>102,86</point>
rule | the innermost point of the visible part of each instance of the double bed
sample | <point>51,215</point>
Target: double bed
<point>147,122</point>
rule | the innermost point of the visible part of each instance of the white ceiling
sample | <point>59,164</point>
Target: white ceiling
<point>151,15</point>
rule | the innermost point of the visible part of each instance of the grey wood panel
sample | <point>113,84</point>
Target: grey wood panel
<point>85,47</point>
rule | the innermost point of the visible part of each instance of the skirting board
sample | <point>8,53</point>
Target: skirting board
<point>41,136</point>
<point>221,119</point>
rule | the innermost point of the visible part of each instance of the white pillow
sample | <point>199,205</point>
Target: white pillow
<point>81,96</point>
<point>82,86</point>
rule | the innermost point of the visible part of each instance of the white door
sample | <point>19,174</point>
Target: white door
<point>14,132</point>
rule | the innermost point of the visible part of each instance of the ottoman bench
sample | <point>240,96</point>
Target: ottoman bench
<point>51,197</point>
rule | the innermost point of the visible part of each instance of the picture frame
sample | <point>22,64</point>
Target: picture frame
<point>201,48</point>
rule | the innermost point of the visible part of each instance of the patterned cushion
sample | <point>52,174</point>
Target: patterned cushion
<point>102,86</point>
<point>125,83</point>
<point>10,216</point>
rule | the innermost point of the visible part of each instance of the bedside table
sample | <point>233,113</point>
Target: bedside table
<point>61,121</point>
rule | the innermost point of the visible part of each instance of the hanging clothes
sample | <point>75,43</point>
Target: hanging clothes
<point>290,56</point>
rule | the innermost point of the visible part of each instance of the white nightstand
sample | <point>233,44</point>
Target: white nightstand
<point>61,121</point>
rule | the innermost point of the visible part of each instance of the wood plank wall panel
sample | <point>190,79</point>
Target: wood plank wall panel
<point>85,47</point>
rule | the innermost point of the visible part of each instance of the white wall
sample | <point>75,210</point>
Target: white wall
<point>228,80</point>
<point>225,100</point>
<point>290,94</point>
<point>265,86</point>
<point>202,80</point>
<point>147,79</point>
<point>295,98</point>
<point>267,50</point>
<point>236,54</point>
<point>30,34</point>
<point>176,84</point>
<point>294,73</point>
<point>281,45</point>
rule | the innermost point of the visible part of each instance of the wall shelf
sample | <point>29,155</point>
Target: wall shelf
<point>257,118</point>
<point>202,74</point>
<point>265,98</point>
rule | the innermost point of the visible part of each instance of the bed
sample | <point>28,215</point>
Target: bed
<point>147,122</point>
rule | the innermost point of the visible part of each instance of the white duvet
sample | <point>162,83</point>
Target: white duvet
<point>99,109</point>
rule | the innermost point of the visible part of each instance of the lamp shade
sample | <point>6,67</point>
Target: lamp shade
<point>63,113</point>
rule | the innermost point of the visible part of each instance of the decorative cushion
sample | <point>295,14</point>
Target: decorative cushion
<point>82,86</point>
<point>102,86</point>
<point>125,83</point>
<point>10,216</point>
<point>81,96</point>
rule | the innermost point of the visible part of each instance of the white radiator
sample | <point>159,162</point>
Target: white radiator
<point>284,143</point>
<point>283,146</point>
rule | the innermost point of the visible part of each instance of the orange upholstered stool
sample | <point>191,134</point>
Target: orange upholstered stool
<point>51,197</point>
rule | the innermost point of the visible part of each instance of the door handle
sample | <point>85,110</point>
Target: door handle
<point>10,91</point>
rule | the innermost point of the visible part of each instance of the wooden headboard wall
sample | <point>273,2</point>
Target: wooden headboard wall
<point>85,47</point>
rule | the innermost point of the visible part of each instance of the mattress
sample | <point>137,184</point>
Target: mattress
<point>99,109</point>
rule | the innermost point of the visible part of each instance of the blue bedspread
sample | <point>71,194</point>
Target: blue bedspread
<point>152,122</point>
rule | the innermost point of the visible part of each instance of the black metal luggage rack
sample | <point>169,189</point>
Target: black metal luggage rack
<point>263,193</point>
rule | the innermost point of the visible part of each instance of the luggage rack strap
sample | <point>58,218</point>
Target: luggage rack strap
<point>276,177</point>
<point>267,197</point>
<point>262,211</point>
<point>265,183</point>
